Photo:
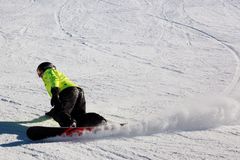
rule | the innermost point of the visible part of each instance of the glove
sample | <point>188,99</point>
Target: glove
<point>55,101</point>
<point>51,112</point>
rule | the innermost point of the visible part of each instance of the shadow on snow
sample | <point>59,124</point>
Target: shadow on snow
<point>18,128</point>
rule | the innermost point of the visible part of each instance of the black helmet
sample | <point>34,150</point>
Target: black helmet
<point>43,67</point>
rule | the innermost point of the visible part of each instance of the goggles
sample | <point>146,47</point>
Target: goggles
<point>40,73</point>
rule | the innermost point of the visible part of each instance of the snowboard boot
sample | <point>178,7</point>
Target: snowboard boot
<point>90,119</point>
<point>64,120</point>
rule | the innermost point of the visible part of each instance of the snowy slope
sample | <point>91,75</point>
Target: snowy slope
<point>169,68</point>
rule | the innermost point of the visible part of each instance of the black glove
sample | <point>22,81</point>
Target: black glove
<point>51,112</point>
<point>55,102</point>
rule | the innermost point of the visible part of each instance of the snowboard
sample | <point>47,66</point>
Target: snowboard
<point>40,132</point>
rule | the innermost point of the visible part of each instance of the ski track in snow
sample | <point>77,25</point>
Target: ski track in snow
<point>157,65</point>
<point>236,77</point>
<point>58,15</point>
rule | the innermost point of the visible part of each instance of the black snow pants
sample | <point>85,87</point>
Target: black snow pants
<point>73,108</point>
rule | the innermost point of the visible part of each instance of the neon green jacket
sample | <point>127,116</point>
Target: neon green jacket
<point>54,78</point>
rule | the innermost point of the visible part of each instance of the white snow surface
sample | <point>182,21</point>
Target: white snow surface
<point>170,69</point>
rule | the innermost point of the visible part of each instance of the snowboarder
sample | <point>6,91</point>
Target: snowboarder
<point>67,99</point>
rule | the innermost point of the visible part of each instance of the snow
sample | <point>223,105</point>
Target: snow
<point>168,68</point>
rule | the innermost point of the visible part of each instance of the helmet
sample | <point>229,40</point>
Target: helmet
<point>43,67</point>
